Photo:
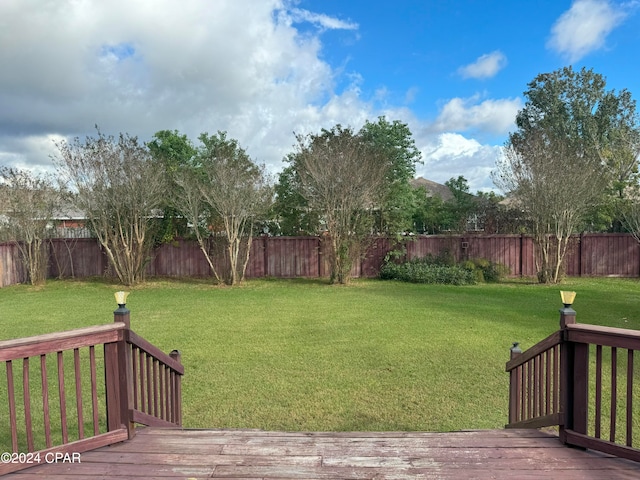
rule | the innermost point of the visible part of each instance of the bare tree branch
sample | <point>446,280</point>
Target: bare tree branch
<point>28,205</point>
<point>119,188</point>
<point>342,177</point>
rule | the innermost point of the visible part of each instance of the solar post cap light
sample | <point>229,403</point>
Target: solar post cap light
<point>121,298</point>
<point>567,298</point>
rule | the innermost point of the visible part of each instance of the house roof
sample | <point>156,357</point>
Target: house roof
<point>67,212</point>
<point>434,189</point>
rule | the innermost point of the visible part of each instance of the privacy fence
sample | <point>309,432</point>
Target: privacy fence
<point>287,257</point>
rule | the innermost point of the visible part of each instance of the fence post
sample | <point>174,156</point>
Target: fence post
<point>515,385</point>
<point>117,360</point>
<point>574,373</point>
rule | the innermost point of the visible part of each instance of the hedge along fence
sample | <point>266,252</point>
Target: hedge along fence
<point>290,257</point>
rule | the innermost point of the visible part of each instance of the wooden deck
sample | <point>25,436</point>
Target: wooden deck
<point>157,453</point>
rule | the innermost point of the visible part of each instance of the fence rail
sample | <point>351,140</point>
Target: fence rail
<point>96,383</point>
<point>582,379</point>
<point>286,257</point>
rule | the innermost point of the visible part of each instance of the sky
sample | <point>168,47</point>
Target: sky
<point>265,70</point>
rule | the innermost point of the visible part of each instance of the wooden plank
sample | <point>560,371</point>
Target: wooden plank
<point>149,383</point>
<point>149,420</point>
<point>63,399</point>
<point>13,422</point>
<point>94,390</point>
<point>78,382</point>
<point>540,347</point>
<point>629,402</point>
<point>141,361</point>
<point>147,347</point>
<point>251,454</point>
<point>623,451</point>
<point>539,422</point>
<point>26,394</point>
<point>598,399</point>
<point>255,433</point>
<point>60,341</point>
<point>45,401</point>
<point>605,336</point>
<point>614,394</point>
<point>79,446</point>
<point>580,389</point>
<point>112,387</point>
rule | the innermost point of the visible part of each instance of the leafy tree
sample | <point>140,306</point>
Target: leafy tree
<point>571,145</point>
<point>342,176</point>
<point>462,206</point>
<point>118,186</point>
<point>223,195</point>
<point>430,215</point>
<point>28,203</point>
<point>395,207</point>
<point>291,210</point>
<point>618,145</point>
<point>394,141</point>
<point>172,151</point>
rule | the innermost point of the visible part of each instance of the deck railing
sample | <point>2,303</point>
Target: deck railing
<point>582,379</point>
<point>95,384</point>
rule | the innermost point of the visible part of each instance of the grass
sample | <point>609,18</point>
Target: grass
<point>303,355</point>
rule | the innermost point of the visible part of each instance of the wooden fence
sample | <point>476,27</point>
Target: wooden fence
<point>287,257</point>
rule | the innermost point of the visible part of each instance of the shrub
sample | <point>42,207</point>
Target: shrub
<point>485,270</point>
<point>421,271</point>
<point>441,270</point>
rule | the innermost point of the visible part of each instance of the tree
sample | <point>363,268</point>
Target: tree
<point>395,207</point>
<point>561,158</point>
<point>342,176</point>
<point>495,217</point>
<point>599,124</point>
<point>631,217</point>
<point>394,141</point>
<point>462,206</point>
<point>28,205</point>
<point>430,215</point>
<point>552,184</point>
<point>223,194</point>
<point>120,189</point>
<point>172,151</point>
<point>291,211</point>
<point>618,145</point>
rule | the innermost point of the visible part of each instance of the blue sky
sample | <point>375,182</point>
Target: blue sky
<point>415,53</point>
<point>264,69</point>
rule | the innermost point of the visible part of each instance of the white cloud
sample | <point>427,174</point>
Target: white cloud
<point>201,65</point>
<point>321,20</point>
<point>449,155</point>
<point>143,66</point>
<point>486,66</point>
<point>584,28</point>
<point>490,116</point>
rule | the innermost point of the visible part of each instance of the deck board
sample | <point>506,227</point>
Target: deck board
<point>157,453</point>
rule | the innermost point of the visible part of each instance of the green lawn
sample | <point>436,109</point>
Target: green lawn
<point>303,355</point>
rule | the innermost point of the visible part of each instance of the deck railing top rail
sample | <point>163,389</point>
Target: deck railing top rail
<point>20,348</point>
<point>605,336</point>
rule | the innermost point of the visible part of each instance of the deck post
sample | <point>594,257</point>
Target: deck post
<point>574,372</point>
<point>515,385</point>
<point>118,379</point>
